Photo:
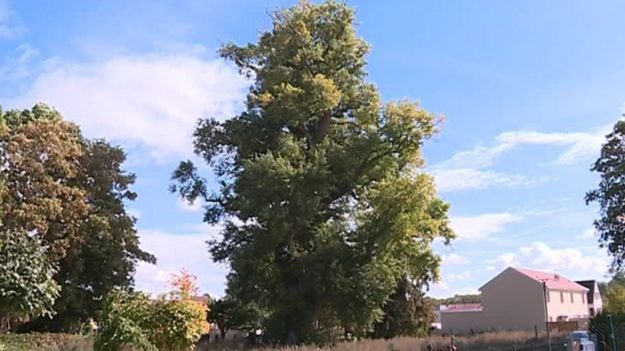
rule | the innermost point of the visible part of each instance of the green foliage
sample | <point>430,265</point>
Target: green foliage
<point>459,299</point>
<point>27,287</point>
<point>324,202</point>
<point>74,200</point>
<point>172,322</point>
<point>610,193</point>
<point>106,259</point>
<point>125,321</point>
<point>600,326</point>
<point>178,324</point>
<point>407,313</point>
<point>615,299</point>
<point>229,313</point>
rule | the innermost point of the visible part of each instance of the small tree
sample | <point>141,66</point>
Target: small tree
<point>27,287</point>
<point>229,313</point>
<point>178,321</point>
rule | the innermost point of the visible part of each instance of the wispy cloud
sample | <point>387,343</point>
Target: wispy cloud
<point>8,29</point>
<point>18,64</point>
<point>589,233</point>
<point>463,276</point>
<point>579,146</point>
<point>469,169</point>
<point>454,259</point>
<point>147,102</point>
<point>484,225</point>
<point>448,180</point>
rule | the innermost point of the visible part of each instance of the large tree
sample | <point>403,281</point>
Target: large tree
<point>324,204</point>
<point>610,195</point>
<point>70,192</point>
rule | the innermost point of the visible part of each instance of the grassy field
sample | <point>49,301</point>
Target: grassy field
<point>502,341</point>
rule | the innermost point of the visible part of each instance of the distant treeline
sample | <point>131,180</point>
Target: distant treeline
<point>458,299</point>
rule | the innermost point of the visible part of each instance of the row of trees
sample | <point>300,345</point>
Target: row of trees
<point>66,239</point>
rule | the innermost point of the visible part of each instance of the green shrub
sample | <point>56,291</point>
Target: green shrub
<point>178,324</point>
<point>125,321</point>
<point>173,322</point>
<point>27,287</point>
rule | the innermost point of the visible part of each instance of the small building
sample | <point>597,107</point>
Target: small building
<point>595,303</point>
<point>519,299</point>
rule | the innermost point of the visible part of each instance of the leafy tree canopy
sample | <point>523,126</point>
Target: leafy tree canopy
<point>229,313</point>
<point>27,287</point>
<point>407,313</point>
<point>70,192</point>
<point>610,194</point>
<point>323,200</point>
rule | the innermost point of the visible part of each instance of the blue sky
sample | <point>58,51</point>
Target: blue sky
<point>528,89</point>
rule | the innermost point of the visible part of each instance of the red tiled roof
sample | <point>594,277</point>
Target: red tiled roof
<point>463,307</point>
<point>553,281</point>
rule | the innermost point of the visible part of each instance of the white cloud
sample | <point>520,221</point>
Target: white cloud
<point>454,259</point>
<point>195,206</point>
<point>482,226</point>
<point>539,255</point>
<point>468,169</point>
<point>580,146</point>
<point>18,64</point>
<point>8,30</point>
<point>174,252</point>
<point>441,285</point>
<point>458,276</point>
<point>150,101</point>
<point>448,180</point>
<point>478,157</point>
<point>589,233</point>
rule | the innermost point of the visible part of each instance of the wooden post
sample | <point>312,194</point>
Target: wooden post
<point>451,335</point>
<point>536,332</point>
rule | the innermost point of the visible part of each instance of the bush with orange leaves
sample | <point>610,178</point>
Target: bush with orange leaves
<point>179,320</point>
<point>172,322</point>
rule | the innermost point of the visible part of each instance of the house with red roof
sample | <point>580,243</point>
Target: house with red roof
<point>519,299</point>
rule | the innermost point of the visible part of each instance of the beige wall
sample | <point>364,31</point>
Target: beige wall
<point>513,301</point>
<point>597,302</point>
<point>560,304</point>
<point>461,322</point>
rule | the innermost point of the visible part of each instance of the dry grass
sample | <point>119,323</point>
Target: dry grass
<point>488,341</point>
<point>500,341</point>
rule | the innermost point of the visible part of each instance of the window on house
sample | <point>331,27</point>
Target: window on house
<point>583,298</point>
<point>548,296</point>
<point>572,301</point>
<point>561,297</point>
